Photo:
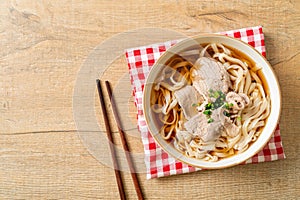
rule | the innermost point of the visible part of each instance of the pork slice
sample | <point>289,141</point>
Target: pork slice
<point>199,126</point>
<point>231,129</point>
<point>183,136</point>
<point>192,124</point>
<point>186,97</point>
<point>208,74</point>
<point>215,128</point>
<point>196,123</point>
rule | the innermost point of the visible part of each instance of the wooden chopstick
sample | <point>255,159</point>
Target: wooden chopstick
<point>124,143</point>
<point>111,143</point>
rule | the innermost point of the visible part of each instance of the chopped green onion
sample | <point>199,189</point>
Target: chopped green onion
<point>207,112</point>
<point>227,114</point>
<point>210,120</point>
<point>216,94</point>
<point>217,105</point>
<point>219,97</point>
<point>226,105</point>
<point>208,106</point>
<point>239,118</point>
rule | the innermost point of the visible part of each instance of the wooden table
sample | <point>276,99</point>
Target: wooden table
<point>44,45</point>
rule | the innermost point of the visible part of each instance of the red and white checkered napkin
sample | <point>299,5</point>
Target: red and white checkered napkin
<point>158,162</point>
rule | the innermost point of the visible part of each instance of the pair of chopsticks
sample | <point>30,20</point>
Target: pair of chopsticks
<point>112,144</point>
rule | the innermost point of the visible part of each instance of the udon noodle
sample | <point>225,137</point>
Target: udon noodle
<point>244,118</point>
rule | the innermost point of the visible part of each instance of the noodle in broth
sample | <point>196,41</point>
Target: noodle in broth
<point>245,83</point>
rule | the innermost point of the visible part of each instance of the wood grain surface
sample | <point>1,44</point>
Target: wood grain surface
<point>43,46</point>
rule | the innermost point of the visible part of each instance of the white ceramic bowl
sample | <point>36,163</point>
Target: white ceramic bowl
<point>271,81</point>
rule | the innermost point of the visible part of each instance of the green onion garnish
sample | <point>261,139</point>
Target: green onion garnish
<point>216,94</point>
<point>226,105</point>
<point>208,106</point>
<point>207,112</point>
<point>227,114</point>
<point>210,120</point>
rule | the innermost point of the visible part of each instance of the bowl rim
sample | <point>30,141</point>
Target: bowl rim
<point>251,154</point>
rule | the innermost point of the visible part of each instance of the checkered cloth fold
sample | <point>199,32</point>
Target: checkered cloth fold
<point>159,163</point>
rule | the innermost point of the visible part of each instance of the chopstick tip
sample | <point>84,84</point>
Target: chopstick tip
<point>107,83</point>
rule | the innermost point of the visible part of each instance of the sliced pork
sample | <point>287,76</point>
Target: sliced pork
<point>231,129</point>
<point>208,74</point>
<point>199,126</point>
<point>186,97</point>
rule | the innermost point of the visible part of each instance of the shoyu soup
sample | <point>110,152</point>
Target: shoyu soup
<point>211,102</point>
